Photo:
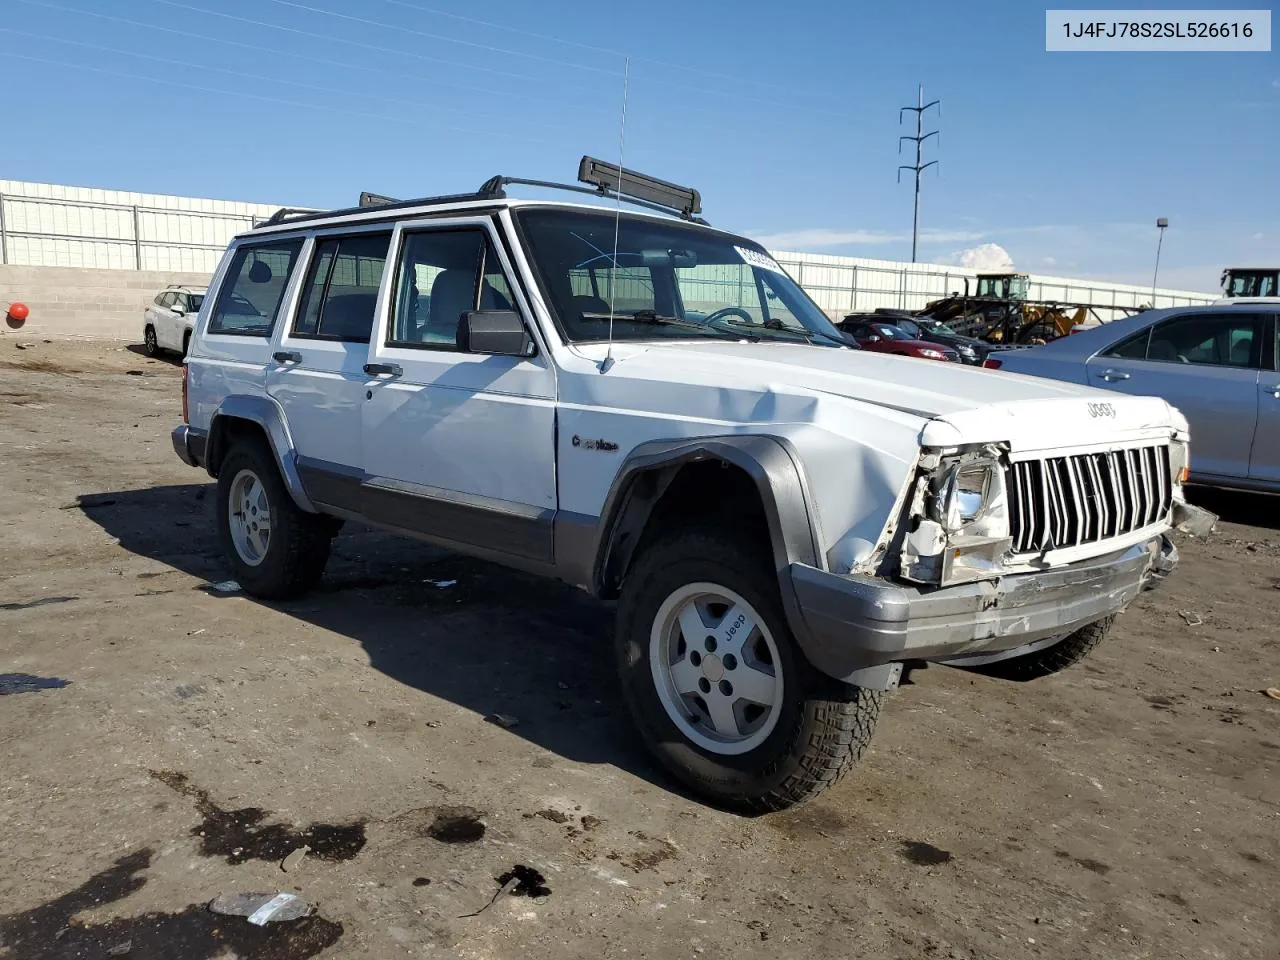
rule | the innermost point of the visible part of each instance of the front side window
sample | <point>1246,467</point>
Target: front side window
<point>196,300</point>
<point>341,291</point>
<point>254,286</point>
<point>442,275</point>
<point>1210,339</point>
<point>669,281</point>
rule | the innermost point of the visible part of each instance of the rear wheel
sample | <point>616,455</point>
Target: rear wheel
<point>275,549</point>
<point>150,345</point>
<point>716,685</point>
<point>1065,653</point>
<point>186,343</point>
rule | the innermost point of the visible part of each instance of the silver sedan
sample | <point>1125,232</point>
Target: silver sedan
<point>1217,364</point>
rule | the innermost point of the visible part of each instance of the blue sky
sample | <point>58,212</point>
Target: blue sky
<point>785,116</point>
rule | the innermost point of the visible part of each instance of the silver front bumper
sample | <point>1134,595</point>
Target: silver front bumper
<point>851,624</point>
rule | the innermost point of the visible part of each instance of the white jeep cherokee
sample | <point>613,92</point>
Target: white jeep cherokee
<point>785,521</point>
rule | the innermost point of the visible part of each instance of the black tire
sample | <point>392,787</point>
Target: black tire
<point>298,547</point>
<point>150,345</point>
<point>186,344</point>
<point>1065,653</point>
<point>823,726</point>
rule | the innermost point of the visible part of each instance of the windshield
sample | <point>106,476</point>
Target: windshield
<point>1250,283</point>
<point>909,328</point>
<point>671,281</point>
<point>936,326</point>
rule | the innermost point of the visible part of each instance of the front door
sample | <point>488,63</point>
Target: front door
<point>1206,365</point>
<point>317,372</point>
<point>458,446</point>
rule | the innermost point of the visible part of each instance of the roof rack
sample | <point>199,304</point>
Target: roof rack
<point>605,179</point>
<point>608,180</point>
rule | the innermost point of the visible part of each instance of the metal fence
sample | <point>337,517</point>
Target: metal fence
<point>45,225</point>
<point>841,288</point>
<point>74,232</point>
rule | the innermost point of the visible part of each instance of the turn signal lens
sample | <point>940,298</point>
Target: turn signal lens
<point>991,363</point>
<point>1183,474</point>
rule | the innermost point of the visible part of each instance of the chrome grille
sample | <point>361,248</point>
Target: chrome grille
<point>1069,501</point>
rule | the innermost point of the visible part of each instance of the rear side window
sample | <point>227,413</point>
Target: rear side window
<point>1231,339</point>
<point>341,292</point>
<point>253,288</point>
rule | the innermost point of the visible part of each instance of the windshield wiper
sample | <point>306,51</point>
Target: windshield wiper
<point>656,319</point>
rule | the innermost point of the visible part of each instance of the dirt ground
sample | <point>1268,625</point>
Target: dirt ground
<point>162,744</point>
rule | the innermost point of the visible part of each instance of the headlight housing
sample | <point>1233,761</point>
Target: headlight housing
<point>970,499</point>
<point>959,530</point>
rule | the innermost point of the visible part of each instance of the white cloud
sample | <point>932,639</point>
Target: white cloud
<point>1049,261</point>
<point>985,256</point>
<point>1258,236</point>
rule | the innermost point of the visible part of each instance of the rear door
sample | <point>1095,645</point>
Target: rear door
<point>317,368</point>
<point>1264,463</point>
<point>256,284</point>
<point>458,446</point>
<point>1206,364</point>
<point>150,316</point>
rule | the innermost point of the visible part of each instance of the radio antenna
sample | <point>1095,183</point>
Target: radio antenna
<point>617,213</point>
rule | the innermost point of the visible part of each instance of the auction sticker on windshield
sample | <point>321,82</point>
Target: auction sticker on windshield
<point>757,259</point>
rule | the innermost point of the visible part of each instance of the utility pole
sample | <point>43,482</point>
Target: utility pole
<point>1161,224</point>
<point>918,167</point>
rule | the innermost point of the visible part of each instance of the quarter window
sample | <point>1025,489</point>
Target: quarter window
<point>341,292</point>
<point>442,275</point>
<point>254,287</point>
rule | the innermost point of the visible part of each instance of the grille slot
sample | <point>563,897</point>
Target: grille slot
<point>1070,501</point>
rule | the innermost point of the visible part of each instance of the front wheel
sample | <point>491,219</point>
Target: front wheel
<point>150,345</point>
<point>716,685</point>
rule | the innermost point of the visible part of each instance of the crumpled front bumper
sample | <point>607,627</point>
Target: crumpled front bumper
<point>858,629</point>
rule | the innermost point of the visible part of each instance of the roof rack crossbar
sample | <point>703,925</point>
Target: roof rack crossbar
<point>493,189</point>
<point>285,213</point>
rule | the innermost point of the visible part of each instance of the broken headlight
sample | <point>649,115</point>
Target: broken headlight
<point>970,499</point>
<point>961,530</point>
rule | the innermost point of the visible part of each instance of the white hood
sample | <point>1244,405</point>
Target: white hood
<point>950,403</point>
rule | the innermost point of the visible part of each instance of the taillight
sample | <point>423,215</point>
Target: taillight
<point>991,363</point>
<point>185,418</point>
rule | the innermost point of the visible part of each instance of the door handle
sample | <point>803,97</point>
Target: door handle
<point>287,356</point>
<point>378,369</point>
<point>1112,375</point>
<point>1273,390</point>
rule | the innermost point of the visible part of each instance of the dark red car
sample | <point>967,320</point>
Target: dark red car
<point>886,338</point>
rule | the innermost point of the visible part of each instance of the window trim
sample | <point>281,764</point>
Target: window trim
<point>320,238</point>
<point>227,284</point>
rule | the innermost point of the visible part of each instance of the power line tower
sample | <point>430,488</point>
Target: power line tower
<point>918,168</point>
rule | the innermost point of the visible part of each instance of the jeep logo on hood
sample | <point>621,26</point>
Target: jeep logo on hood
<point>1101,410</point>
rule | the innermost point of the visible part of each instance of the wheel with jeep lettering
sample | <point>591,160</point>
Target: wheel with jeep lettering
<point>717,686</point>
<point>276,549</point>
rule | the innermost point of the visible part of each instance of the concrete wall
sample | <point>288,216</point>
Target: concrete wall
<point>78,302</point>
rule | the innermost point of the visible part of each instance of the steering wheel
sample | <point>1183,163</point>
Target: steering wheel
<point>724,312</point>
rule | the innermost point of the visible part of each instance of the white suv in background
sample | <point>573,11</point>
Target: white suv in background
<point>169,319</point>
<point>654,411</point>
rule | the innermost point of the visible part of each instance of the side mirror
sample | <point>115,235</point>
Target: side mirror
<point>874,338</point>
<point>498,332</point>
